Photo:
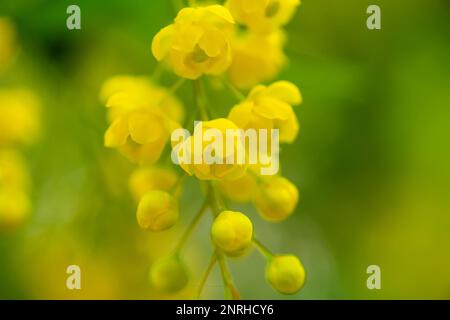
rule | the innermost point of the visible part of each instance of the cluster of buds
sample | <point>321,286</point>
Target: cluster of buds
<point>209,43</point>
<point>19,126</point>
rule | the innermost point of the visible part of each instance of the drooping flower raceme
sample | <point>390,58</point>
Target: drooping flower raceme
<point>270,108</point>
<point>206,41</point>
<point>263,15</point>
<point>197,43</point>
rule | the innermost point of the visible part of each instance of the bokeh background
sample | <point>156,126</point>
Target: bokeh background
<point>372,161</point>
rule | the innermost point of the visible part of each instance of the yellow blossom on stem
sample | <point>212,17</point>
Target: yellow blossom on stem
<point>256,58</point>
<point>232,232</point>
<point>157,211</point>
<point>285,273</point>
<point>140,132</point>
<point>142,92</point>
<point>270,108</point>
<point>275,198</point>
<point>197,43</point>
<point>214,171</point>
<point>263,15</point>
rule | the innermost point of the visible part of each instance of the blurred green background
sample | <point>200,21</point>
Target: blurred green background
<point>372,161</point>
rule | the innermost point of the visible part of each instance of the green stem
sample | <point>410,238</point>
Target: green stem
<point>191,227</point>
<point>238,94</point>
<point>263,249</point>
<point>173,89</point>
<point>199,99</point>
<point>230,289</point>
<point>214,199</point>
<point>211,264</point>
<point>176,191</point>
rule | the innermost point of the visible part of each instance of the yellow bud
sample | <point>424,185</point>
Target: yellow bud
<point>286,274</point>
<point>157,211</point>
<point>276,198</point>
<point>232,232</point>
<point>168,275</point>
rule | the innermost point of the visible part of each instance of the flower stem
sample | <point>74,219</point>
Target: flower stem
<point>238,94</point>
<point>172,90</point>
<point>263,249</point>
<point>199,99</point>
<point>230,289</point>
<point>211,264</point>
<point>191,227</point>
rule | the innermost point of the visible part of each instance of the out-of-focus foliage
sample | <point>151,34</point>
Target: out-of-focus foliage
<point>372,161</point>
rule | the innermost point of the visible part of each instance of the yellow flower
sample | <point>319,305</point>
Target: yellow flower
<point>220,169</point>
<point>197,43</point>
<point>263,15</point>
<point>7,42</point>
<point>143,180</point>
<point>157,211</point>
<point>276,198</point>
<point>143,92</point>
<point>286,274</point>
<point>168,274</point>
<point>256,58</point>
<point>270,108</point>
<point>140,131</point>
<point>232,232</point>
<point>14,209</point>
<point>19,117</point>
<point>239,190</point>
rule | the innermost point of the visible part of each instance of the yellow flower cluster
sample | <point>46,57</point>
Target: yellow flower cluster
<point>198,43</point>
<point>216,171</point>
<point>19,126</point>
<point>202,41</point>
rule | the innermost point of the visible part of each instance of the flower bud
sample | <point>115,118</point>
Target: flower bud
<point>157,211</point>
<point>276,198</point>
<point>232,232</point>
<point>286,274</point>
<point>168,275</point>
